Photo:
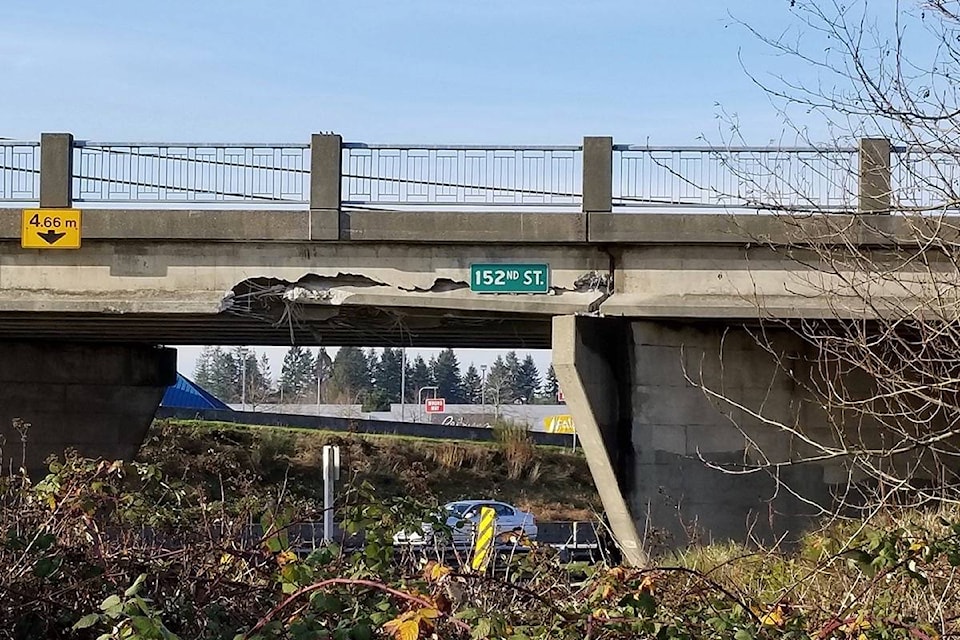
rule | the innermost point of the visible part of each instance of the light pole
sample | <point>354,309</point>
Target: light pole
<point>420,402</point>
<point>403,382</point>
<point>243,379</point>
<point>319,380</point>
<point>321,365</point>
<point>483,384</point>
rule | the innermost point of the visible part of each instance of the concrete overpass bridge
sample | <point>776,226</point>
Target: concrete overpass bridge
<point>654,255</point>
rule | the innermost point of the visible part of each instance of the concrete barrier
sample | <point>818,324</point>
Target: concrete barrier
<point>354,425</point>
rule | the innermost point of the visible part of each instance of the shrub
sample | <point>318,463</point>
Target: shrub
<point>517,446</point>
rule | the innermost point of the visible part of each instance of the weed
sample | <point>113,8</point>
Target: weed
<point>517,446</point>
<point>449,456</point>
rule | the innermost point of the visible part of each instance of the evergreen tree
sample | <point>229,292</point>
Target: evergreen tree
<point>418,376</point>
<point>319,382</point>
<point>223,375</point>
<point>528,379</point>
<point>446,375</point>
<point>512,363</point>
<point>251,380</point>
<point>471,385</point>
<point>202,374</point>
<point>374,399</point>
<point>297,374</point>
<point>350,374</point>
<point>373,364</point>
<point>387,376</point>
<point>550,386</point>
<point>264,389</point>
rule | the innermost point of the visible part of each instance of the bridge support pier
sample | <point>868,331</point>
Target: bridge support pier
<point>97,399</point>
<point>653,437</point>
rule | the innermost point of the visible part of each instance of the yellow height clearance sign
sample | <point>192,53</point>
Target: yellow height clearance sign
<point>50,229</point>
<point>483,547</point>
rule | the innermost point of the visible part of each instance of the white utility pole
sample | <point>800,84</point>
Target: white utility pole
<point>331,473</point>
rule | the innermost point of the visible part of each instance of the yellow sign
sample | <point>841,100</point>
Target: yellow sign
<point>483,547</point>
<point>50,229</point>
<point>559,424</point>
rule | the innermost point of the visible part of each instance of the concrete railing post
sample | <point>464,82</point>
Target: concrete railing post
<point>597,174</point>
<point>325,179</point>
<point>874,175</point>
<point>56,170</point>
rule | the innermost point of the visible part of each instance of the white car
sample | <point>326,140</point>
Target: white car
<point>462,517</point>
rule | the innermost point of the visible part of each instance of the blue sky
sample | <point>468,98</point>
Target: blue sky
<point>536,71</point>
<point>426,71</point>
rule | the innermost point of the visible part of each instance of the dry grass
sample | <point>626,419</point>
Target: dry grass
<point>449,456</point>
<point>553,483</point>
<point>827,575</point>
<point>517,446</point>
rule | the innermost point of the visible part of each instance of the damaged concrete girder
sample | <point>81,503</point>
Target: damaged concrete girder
<point>176,277</point>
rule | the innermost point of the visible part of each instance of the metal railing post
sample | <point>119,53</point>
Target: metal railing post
<point>597,174</point>
<point>56,170</point>
<point>874,184</point>
<point>325,180</point>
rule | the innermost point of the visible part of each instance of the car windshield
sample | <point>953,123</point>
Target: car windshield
<point>458,508</point>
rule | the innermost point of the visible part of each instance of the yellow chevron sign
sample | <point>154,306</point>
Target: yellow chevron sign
<point>483,547</point>
<point>559,424</point>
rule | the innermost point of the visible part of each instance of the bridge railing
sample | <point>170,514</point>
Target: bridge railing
<point>462,175</point>
<point>737,177</point>
<point>19,171</point>
<point>163,172</point>
<point>925,179</point>
<point>597,176</point>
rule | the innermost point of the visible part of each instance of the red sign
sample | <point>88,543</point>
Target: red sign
<point>436,405</point>
<point>559,395</point>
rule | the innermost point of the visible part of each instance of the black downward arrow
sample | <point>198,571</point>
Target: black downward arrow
<point>51,236</point>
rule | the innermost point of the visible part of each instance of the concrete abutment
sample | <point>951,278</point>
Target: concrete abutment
<point>97,399</point>
<point>654,438</point>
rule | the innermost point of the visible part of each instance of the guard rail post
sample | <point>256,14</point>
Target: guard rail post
<point>325,178</point>
<point>874,183</point>
<point>56,170</point>
<point>597,174</point>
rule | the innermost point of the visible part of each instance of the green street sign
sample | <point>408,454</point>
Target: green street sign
<point>510,278</point>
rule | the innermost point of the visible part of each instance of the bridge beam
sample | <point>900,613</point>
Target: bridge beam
<point>96,399</point>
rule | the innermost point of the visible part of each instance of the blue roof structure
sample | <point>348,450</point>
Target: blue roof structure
<point>187,394</point>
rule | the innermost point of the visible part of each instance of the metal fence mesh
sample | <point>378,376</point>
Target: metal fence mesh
<point>644,177</point>
<point>756,178</point>
<point>925,179</point>
<point>19,171</point>
<point>464,175</point>
<point>162,172</point>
